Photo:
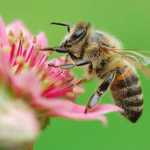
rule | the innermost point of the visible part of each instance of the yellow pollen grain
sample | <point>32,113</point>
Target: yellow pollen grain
<point>20,59</point>
<point>78,90</point>
<point>6,49</point>
<point>26,45</point>
<point>11,39</point>
<point>50,52</point>
<point>1,41</point>
<point>70,95</point>
<point>22,41</point>
<point>34,39</point>
<point>10,33</point>
<point>58,83</point>
<point>20,36</point>
<point>36,52</point>
<point>39,47</point>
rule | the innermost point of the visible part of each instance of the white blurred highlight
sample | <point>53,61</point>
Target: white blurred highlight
<point>19,126</point>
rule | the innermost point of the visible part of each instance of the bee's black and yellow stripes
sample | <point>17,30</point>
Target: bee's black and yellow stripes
<point>127,93</point>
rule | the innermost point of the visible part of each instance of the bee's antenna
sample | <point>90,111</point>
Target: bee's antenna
<point>62,24</point>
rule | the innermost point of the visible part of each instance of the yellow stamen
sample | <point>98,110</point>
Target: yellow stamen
<point>20,59</point>
<point>22,41</point>
<point>58,84</point>
<point>78,90</point>
<point>70,95</point>
<point>1,41</point>
<point>6,49</point>
<point>10,33</point>
<point>26,45</point>
<point>37,49</point>
<point>39,46</point>
<point>11,39</point>
<point>34,39</point>
<point>20,36</point>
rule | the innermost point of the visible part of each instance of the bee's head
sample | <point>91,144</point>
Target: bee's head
<point>76,36</point>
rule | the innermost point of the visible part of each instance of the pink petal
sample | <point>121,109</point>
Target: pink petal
<point>67,109</point>
<point>3,33</point>
<point>82,116</point>
<point>105,108</point>
<point>52,107</point>
<point>27,83</point>
<point>77,112</point>
<point>41,39</point>
<point>16,26</point>
<point>5,69</point>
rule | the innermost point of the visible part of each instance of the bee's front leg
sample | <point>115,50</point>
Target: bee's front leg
<point>61,50</point>
<point>100,91</point>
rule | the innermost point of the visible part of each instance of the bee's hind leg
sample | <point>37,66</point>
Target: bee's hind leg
<point>68,66</point>
<point>100,91</point>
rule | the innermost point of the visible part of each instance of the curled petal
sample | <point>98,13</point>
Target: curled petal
<point>105,108</point>
<point>67,109</point>
<point>77,112</point>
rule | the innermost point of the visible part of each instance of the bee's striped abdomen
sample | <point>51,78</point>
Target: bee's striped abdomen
<point>127,93</point>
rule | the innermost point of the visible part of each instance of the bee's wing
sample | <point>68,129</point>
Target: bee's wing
<point>139,59</point>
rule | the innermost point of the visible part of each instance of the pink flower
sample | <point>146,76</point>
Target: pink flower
<point>26,78</point>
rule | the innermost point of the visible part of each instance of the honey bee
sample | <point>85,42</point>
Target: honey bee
<point>103,57</point>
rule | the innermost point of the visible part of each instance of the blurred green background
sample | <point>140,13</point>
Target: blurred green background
<point>129,20</point>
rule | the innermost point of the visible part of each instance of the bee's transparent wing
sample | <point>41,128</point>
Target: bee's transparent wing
<point>139,59</point>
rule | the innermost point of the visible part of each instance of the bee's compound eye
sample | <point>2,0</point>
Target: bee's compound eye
<point>78,34</point>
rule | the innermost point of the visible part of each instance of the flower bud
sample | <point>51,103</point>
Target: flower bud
<point>18,126</point>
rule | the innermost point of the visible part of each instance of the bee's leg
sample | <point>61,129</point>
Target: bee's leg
<point>66,58</point>
<point>61,50</point>
<point>100,91</point>
<point>64,66</point>
<point>82,62</point>
<point>80,81</point>
<point>73,57</point>
<point>68,66</point>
